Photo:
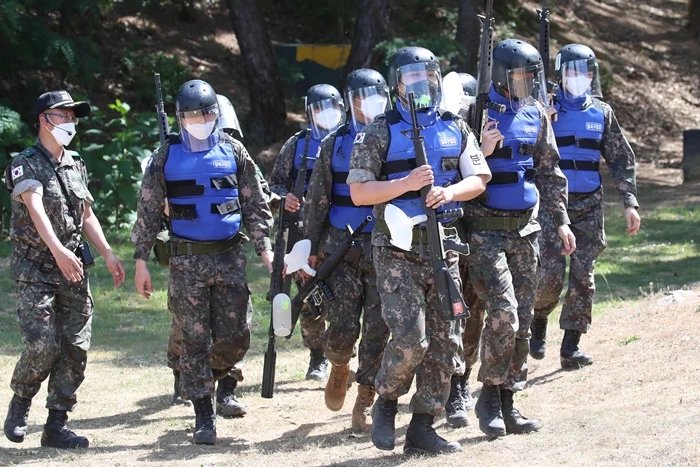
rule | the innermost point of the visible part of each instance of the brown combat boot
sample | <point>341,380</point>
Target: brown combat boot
<point>337,386</point>
<point>361,412</point>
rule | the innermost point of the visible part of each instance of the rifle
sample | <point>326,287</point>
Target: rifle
<point>483,103</point>
<point>543,47</point>
<point>452,304</point>
<point>315,292</point>
<point>280,285</point>
<point>163,126</point>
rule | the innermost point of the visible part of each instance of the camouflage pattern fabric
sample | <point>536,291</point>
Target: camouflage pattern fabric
<point>472,326</point>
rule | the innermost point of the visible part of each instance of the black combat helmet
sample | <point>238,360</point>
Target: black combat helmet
<point>324,109</point>
<point>362,78</point>
<point>405,56</point>
<point>572,52</point>
<point>469,84</point>
<point>321,92</point>
<point>195,95</point>
<point>512,54</point>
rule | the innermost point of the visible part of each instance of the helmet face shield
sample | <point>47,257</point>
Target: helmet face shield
<point>424,80</point>
<point>228,120</point>
<point>366,104</point>
<point>325,116</point>
<point>580,78</point>
<point>526,85</point>
<point>197,128</point>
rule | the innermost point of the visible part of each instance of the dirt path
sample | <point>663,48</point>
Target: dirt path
<point>637,405</point>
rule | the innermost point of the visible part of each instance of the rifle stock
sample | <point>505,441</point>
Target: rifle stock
<point>452,304</point>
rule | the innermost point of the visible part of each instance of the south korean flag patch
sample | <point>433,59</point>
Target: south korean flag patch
<point>359,138</point>
<point>17,172</point>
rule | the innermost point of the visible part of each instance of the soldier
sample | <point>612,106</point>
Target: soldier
<point>383,173</point>
<point>460,399</point>
<point>212,190</point>
<point>585,129</point>
<point>503,230</point>
<point>325,113</point>
<point>354,283</point>
<point>51,205</point>
<point>227,404</point>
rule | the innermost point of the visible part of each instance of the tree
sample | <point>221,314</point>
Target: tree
<point>371,25</point>
<point>468,36</point>
<point>267,117</point>
<point>694,17</point>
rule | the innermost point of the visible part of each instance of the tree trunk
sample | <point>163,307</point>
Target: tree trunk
<point>267,117</point>
<point>371,25</point>
<point>468,36</point>
<point>694,17</point>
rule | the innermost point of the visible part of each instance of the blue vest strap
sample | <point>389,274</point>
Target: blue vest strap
<point>506,152</point>
<point>340,177</point>
<point>179,188</point>
<point>584,143</point>
<point>503,178</point>
<point>398,166</point>
<point>571,164</point>
<point>339,200</point>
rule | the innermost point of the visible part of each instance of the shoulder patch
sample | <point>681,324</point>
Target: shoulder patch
<point>17,172</point>
<point>359,138</point>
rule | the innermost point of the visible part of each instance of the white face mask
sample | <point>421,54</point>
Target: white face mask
<point>328,119</point>
<point>200,131</point>
<point>63,133</point>
<point>372,106</point>
<point>577,85</point>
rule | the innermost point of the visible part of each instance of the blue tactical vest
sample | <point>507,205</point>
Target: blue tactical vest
<point>299,153</point>
<point>443,146</point>
<point>343,211</point>
<point>579,131</point>
<point>512,186</point>
<point>202,191</point>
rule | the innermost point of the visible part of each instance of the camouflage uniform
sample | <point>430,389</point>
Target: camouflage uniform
<point>503,267</point>
<point>354,285</point>
<point>423,343</point>
<point>207,293</point>
<point>55,315</point>
<point>586,213</point>
<point>281,183</point>
<point>472,326</point>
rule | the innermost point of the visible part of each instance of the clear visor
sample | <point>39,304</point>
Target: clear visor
<point>200,115</point>
<point>366,104</point>
<point>228,120</point>
<point>526,85</point>
<point>580,78</point>
<point>197,128</point>
<point>421,79</point>
<point>325,117</point>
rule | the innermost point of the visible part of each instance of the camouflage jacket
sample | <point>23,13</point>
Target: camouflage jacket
<point>34,169</point>
<point>255,212</point>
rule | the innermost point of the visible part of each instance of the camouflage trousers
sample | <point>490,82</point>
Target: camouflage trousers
<point>503,271</point>
<point>423,344</point>
<point>56,324</point>
<point>210,301</point>
<point>472,326</point>
<point>587,225</point>
<point>356,296</point>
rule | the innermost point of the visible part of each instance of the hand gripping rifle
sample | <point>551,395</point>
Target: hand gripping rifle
<point>484,76</point>
<point>278,294</point>
<point>315,292</point>
<point>163,127</point>
<point>452,304</point>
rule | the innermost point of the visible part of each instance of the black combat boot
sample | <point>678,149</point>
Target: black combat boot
<point>318,366</point>
<point>177,397</point>
<point>466,392</point>
<point>226,403</point>
<point>56,435</point>
<point>571,357</point>
<point>383,430</point>
<point>16,421</point>
<point>455,409</point>
<point>205,421</point>
<point>488,411</point>
<point>421,438</point>
<point>537,341</point>
<point>515,422</point>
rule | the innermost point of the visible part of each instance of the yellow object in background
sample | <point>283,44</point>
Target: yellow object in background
<point>330,56</point>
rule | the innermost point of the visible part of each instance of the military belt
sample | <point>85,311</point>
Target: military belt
<point>510,223</point>
<point>204,248</point>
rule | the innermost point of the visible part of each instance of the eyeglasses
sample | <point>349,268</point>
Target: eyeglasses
<point>64,117</point>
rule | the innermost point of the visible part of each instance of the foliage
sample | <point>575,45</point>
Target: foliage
<point>136,74</point>
<point>14,136</point>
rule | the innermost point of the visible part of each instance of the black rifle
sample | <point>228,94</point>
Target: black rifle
<point>452,304</point>
<point>484,76</point>
<point>163,127</point>
<point>543,46</point>
<point>278,283</point>
<point>315,292</point>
